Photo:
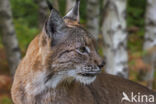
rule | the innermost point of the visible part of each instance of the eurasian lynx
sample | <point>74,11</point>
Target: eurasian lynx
<point>61,67</point>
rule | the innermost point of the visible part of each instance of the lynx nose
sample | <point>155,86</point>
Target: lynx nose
<point>100,62</point>
<point>101,65</point>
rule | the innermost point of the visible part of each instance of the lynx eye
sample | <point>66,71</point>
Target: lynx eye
<point>83,50</point>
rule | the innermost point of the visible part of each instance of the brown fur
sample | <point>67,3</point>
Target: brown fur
<point>60,66</point>
<point>106,89</point>
<point>71,23</point>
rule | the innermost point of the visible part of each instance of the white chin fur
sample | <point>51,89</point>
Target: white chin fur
<point>81,79</point>
<point>85,80</point>
<point>37,85</point>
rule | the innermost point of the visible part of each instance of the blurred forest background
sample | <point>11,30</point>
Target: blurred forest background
<point>125,31</point>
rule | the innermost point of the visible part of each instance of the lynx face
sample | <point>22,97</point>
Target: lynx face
<point>68,53</point>
<point>75,58</point>
<point>68,50</point>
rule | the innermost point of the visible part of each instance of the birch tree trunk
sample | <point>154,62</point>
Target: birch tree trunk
<point>42,12</point>
<point>93,12</point>
<point>55,4</point>
<point>150,40</point>
<point>115,37</point>
<point>9,36</point>
<point>69,4</point>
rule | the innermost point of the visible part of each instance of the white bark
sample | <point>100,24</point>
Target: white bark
<point>115,37</point>
<point>93,11</point>
<point>55,4</point>
<point>9,36</point>
<point>69,4</point>
<point>150,39</point>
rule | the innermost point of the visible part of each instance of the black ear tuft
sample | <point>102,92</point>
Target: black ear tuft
<point>74,14</point>
<point>50,6</point>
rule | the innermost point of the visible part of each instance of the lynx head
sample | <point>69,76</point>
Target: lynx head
<point>68,50</point>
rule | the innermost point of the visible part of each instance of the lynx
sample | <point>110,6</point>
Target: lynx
<point>61,66</point>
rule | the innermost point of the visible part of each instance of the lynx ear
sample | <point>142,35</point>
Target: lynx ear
<point>55,23</point>
<point>50,6</point>
<point>74,15</point>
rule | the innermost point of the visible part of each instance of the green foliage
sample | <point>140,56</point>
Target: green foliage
<point>24,33</point>
<point>136,11</point>
<point>135,41</point>
<point>62,6</point>
<point>25,14</point>
<point>135,18</point>
<point>27,10</point>
<point>5,100</point>
<point>83,11</point>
